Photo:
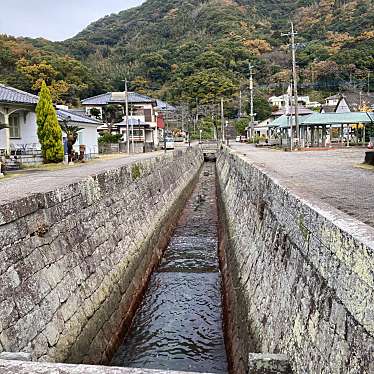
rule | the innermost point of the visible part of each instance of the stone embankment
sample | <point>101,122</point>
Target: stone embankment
<point>299,274</point>
<point>16,367</point>
<point>74,261</point>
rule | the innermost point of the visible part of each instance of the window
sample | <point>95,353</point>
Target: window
<point>136,111</point>
<point>80,137</point>
<point>14,127</point>
<point>138,133</point>
<point>148,115</point>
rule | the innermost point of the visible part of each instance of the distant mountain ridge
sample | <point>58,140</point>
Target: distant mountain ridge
<point>186,49</point>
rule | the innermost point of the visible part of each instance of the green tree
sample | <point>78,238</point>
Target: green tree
<point>49,131</point>
<point>240,125</point>
<point>262,108</point>
<point>112,114</point>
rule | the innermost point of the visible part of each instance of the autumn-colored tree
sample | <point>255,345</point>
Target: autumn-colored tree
<point>257,46</point>
<point>49,131</point>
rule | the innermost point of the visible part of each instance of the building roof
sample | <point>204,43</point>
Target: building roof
<point>336,118</point>
<point>162,105</point>
<point>71,116</point>
<point>302,111</point>
<point>325,119</point>
<point>12,95</point>
<point>132,122</point>
<point>282,121</point>
<point>328,108</point>
<point>333,97</point>
<point>118,98</point>
<point>264,124</point>
<point>354,99</point>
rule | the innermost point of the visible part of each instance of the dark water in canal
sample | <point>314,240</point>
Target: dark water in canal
<point>178,325</point>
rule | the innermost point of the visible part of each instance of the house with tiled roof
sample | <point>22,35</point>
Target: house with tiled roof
<point>145,119</point>
<point>348,101</point>
<point>18,117</point>
<point>88,135</point>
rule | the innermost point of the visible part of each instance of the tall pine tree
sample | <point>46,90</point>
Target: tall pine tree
<point>49,130</point>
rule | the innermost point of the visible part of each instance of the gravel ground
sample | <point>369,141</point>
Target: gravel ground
<point>331,175</point>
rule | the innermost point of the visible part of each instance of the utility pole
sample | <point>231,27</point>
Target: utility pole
<point>292,34</point>
<point>250,66</point>
<point>240,104</point>
<point>222,121</point>
<point>197,115</point>
<point>289,114</point>
<point>132,131</point>
<point>127,118</point>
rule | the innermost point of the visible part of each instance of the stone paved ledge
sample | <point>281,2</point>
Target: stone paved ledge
<point>17,367</point>
<point>47,180</point>
<point>331,176</point>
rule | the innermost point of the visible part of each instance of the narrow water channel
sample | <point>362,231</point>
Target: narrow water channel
<point>178,325</point>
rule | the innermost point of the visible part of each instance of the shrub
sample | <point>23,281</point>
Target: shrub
<point>49,130</point>
<point>107,138</point>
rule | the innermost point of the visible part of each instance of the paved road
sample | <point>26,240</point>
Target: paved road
<point>332,176</point>
<point>46,180</point>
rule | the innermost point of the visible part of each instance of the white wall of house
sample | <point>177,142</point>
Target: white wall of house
<point>27,132</point>
<point>332,101</point>
<point>2,139</point>
<point>342,107</point>
<point>28,138</point>
<point>281,101</point>
<point>88,136</point>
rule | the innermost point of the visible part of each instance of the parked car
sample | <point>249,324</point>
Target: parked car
<point>168,143</point>
<point>241,139</point>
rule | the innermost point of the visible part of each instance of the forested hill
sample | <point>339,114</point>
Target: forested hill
<point>187,49</point>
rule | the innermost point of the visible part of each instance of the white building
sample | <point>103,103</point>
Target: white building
<point>348,101</point>
<point>143,115</point>
<point>281,101</point>
<point>17,111</point>
<point>88,135</point>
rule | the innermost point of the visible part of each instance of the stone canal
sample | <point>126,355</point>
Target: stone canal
<point>179,323</point>
<point>170,263</point>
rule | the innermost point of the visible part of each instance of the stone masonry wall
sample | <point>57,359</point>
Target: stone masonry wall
<point>299,274</point>
<point>74,261</point>
<point>18,367</point>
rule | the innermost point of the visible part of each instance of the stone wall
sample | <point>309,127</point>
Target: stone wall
<point>16,367</point>
<point>74,261</point>
<point>298,274</point>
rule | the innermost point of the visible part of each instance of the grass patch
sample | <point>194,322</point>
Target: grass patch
<point>45,166</point>
<point>135,171</point>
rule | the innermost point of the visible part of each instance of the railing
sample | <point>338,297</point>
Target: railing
<point>209,146</point>
<point>139,147</point>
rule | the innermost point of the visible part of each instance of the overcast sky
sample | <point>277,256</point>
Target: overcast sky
<point>55,19</point>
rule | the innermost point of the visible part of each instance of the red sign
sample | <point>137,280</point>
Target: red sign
<point>160,121</point>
